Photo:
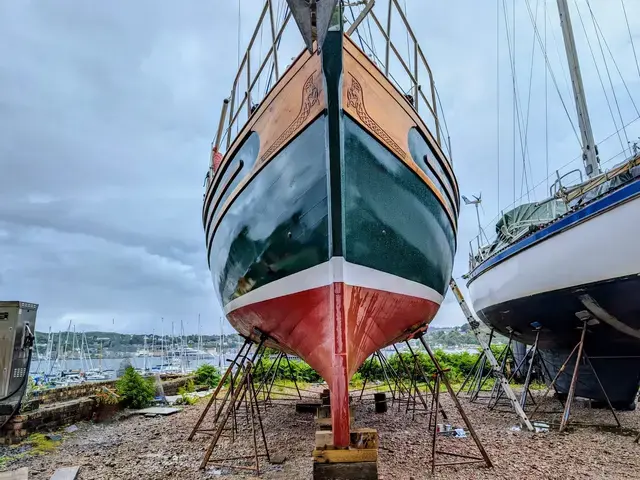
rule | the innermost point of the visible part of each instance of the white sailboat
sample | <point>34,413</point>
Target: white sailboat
<point>571,257</point>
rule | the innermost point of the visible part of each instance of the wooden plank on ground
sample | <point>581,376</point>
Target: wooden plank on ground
<point>66,473</point>
<point>359,438</point>
<point>350,455</point>
<point>20,474</point>
<point>158,411</point>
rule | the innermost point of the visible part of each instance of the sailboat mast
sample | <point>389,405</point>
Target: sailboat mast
<point>589,149</point>
<point>220,354</point>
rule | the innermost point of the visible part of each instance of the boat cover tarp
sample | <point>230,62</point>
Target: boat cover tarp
<point>527,217</point>
<point>530,214</point>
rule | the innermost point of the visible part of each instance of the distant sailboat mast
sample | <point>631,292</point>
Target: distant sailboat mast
<point>221,353</point>
<point>589,148</point>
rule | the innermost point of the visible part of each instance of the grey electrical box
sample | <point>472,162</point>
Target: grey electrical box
<point>17,334</point>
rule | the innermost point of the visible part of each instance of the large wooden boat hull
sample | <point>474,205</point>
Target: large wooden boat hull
<point>330,223</point>
<point>544,280</point>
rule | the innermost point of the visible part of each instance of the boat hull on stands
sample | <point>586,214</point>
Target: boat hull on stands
<point>585,263</point>
<point>325,227</point>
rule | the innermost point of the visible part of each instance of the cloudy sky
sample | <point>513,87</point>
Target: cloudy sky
<point>107,110</point>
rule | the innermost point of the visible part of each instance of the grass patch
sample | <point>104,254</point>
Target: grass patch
<point>40,444</point>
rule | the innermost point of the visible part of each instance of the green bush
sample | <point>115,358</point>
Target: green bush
<point>186,400</point>
<point>134,390</point>
<point>188,387</point>
<point>459,365</point>
<point>299,370</point>
<point>207,375</point>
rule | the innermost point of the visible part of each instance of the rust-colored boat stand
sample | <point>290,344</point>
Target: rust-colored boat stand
<point>441,378</point>
<point>581,356</point>
<point>241,390</point>
<point>532,356</point>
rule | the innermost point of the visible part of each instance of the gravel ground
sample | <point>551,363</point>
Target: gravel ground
<point>137,447</point>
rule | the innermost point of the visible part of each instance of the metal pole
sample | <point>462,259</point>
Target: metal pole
<point>216,437</point>
<point>273,39</point>
<point>435,426</point>
<point>223,116</point>
<point>426,378</point>
<point>553,382</point>
<point>388,33</point>
<point>264,438</point>
<point>523,398</point>
<point>452,394</point>
<point>217,390</point>
<point>595,374</point>
<point>572,387</point>
<point>386,377</point>
<point>249,387</point>
<point>293,376</point>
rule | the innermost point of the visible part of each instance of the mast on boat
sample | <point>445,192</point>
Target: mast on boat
<point>589,148</point>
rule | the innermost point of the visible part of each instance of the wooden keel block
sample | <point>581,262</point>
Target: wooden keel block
<point>324,439</point>
<point>364,438</point>
<point>345,455</point>
<point>345,471</point>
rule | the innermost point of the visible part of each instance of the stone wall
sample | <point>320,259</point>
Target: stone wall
<point>64,406</point>
<point>171,386</point>
<point>47,418</point>
<point>64,394</point>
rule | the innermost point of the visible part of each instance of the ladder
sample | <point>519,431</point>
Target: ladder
<point>495,367</point>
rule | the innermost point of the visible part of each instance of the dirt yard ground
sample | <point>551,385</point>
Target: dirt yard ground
<point>141,448</point>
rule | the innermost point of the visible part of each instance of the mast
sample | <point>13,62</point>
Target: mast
<point>220,353</point>
<point>589,149</point>
<point>144,352</point>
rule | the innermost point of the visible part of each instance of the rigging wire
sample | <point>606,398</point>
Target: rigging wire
<point>239,28</point>
<point>408,45</point>
<point>260,53</point>
<point>498,96</point>
<point>604,90</point>
<point>514,80</point>
<point>551,72</point>
<point>575,159</point>
<point>517,118</point>
<point>525,149</point>
<point>353,16</point>
<point>633,47</point>
<point>604,40</point>
<point>444,124</point>
<point>606,66</point>
<point>373,45</point>
<point>546,104</point>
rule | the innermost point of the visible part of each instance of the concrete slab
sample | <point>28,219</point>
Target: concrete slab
<point>66,473</point>
<point>158,411</point>
<point>20,474</point>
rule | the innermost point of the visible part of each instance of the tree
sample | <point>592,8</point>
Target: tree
<point>134,390</point>
<point>207,375</point>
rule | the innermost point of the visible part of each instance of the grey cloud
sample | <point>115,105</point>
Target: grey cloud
<point>107,110</point>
